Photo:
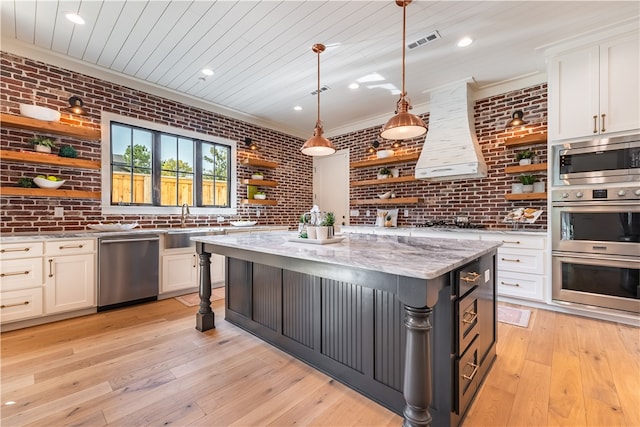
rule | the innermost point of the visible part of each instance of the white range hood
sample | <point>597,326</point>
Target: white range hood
<point>451,150</point>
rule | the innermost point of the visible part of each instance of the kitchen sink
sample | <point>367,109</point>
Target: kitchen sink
<point>181,237</point>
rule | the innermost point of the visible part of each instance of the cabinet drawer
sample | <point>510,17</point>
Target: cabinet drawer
<point>22,304</point>
<point>467,367</point>
<point>18,274</point>
<point>521,260</point>
<point>69,247</point>
<point>20,250</point>
<point>517,285</point>
<point>467,315</point>
<point>517,241</point>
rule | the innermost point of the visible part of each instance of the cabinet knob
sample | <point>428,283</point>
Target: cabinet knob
<point>579,194</point>
<point>637,192</point>
<point>622,193</point>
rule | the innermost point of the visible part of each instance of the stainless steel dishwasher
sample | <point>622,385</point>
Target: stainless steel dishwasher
<point>128,270</point>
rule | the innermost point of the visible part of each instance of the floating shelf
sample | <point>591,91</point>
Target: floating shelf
<point>538,138</point>
<point>260,182</point>
<point>47,159</point>
<point>526,196</point>
<point>55,128</point>
<point>408,178</point>
<point>393,201</point>
<point>259,163</point>
<point>259,202</point>
<point>49,192</point>
<point>386,161</point>
<point>536,167</point>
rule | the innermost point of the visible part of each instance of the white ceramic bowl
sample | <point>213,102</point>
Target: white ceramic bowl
<point>45,183</point>
<point>383,154</point>
<point>260,196</point>
<point>256,176</point>
<point>385,195</point>
<point>243,223</point>
<point>40,113</point>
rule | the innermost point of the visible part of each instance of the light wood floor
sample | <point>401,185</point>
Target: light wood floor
<point>147,365</point>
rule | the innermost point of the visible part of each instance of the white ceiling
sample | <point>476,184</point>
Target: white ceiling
<point>261,53</point>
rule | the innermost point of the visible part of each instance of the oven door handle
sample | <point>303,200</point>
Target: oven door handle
<point>599,259</point>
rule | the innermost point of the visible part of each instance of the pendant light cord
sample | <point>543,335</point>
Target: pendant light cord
<point>404,36</point>
<point>318,51</point>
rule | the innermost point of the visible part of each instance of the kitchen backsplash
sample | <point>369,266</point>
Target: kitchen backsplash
<point>482,200</point>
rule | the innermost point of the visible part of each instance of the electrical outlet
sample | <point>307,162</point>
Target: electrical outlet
<point>220,219</point>
<point>257,212</point>
<point>406,213</point>
<point>354,212</point>
<point>368,212</point>
<point>58,211</point>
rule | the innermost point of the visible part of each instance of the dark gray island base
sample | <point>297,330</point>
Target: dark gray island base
<point>409,322</point>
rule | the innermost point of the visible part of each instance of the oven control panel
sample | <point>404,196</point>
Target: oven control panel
<point>596,194</point>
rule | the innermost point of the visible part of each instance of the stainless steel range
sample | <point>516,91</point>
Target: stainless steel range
<point>596,246</point>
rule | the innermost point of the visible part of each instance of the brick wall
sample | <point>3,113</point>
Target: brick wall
<point>23,79</point>
<point>483,200</point>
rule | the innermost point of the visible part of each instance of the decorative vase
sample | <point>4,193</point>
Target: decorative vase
<point>43,149</point>
<point>516,188</point>
<point>524,162</point>
<point>395,172</point>
<point>322,232</point>
<point>527,188</point>
<point>538,187</point>
<point>311,231</point>
<point>332,232</point>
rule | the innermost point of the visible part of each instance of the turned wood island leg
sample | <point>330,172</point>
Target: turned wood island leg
<point>417,373</point>
<point>205,316</point>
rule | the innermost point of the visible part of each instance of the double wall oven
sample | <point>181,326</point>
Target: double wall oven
<point>595,223</point>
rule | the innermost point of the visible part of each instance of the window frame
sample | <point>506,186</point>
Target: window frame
<point>109,209</point>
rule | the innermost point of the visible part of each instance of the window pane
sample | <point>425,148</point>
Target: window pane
<point>215,179</point>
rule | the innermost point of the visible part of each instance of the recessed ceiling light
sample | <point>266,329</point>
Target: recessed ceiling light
<point>207,72</point>
<point>354,86</point>
<point>464,42</point>
<point>373,77</point>
<point>74,17</point>
<point>297,108</point>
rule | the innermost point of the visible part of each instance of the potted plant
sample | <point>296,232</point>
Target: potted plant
<point>260,195</point>
<point>329,221</point>
<point>257,175</point>
<point>43,144</point>
<point>527,183</point>
<point>524,157</point>
<point>384,173</point>
<point>67,151</point>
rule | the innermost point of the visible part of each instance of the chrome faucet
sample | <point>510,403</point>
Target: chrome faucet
<point>183,215</point>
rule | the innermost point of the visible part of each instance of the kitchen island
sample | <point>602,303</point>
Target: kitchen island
<point>409,322</point>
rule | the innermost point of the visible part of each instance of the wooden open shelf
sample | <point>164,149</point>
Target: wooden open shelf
<point>55,128</point>
<point>259,202</point>
<point>405,158</point>
<point>392,201</point>
<point>47,159</point>
<point>516,141</point>
<point>407,178</point>
<point>536,167</point>
<point>49,192</point>
<point>260,182</point>
<point>526,196</point>
<point>259,163</point>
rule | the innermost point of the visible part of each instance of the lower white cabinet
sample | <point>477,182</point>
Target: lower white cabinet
<point>21,304</point>
<point>69,282</point>
<point>182,271</point>
<point>21,281</point>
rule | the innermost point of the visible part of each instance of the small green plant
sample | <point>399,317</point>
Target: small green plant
<point>527,179</point>
<point>329,219</point>
<point>526,154</point>
<point>43,140</point>
<point>260,193</point>
<point>26,182</point>
<point>384,171</point>
<point>68,151</point>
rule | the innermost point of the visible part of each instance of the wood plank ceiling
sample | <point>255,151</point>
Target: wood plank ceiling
<point>260,51</point>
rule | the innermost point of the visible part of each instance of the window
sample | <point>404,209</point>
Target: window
<point>152,168</point>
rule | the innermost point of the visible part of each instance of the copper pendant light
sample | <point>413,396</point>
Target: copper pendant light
<point>403,125</point>
<point>318,145</point>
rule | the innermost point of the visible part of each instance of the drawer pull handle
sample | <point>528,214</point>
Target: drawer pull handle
<point>595,124</point>
<point>70,247</point>
<point>194,261</point>
<point>473,373</point>
<point>15,273</point>
<point>603,129</point>
<point>50,268</point>
<point>517,285</point>
<point>14,305</point>
<point>514,242</point>
<point>510,259</point>
<point>471,319</point>
<point>470,277</point>
<point>2,251</point>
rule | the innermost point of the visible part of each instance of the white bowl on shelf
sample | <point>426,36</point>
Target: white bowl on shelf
<point>39,113</point>
<point>260,196</point>
<point>45,183</point>
<point>385,195</point>
<point>383,154</point>
<point>256,177</point>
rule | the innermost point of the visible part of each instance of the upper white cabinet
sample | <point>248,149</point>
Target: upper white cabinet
<point>595,90</point>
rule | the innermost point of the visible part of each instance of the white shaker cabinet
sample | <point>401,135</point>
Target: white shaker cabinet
<point>69,271</point>
<point>595,90</point>
<point>21,281</point>
<point>181,270</point>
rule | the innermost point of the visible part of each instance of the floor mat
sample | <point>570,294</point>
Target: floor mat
<point>191,300</point>
<point>513,316</point>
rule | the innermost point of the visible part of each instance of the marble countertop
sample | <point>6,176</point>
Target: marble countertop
<point>417,257</point>
<point>83,234</point>
<point>425,230</point>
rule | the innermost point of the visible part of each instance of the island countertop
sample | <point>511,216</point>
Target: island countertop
<point>417,257</point>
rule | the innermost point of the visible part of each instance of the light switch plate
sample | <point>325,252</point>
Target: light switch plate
<point>354,212</point>
<point>58,211</point>
<point>487,275</point>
